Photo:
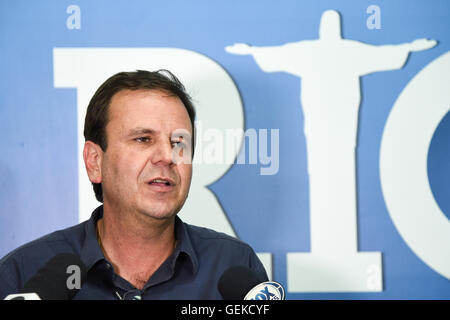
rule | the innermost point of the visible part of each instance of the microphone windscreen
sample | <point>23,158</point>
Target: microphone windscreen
<point>52,281</point>
<point>237,281</point>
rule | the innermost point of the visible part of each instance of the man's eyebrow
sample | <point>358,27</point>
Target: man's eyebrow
<point>139,130</point>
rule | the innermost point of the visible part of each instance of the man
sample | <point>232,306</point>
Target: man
<point>139,126</point>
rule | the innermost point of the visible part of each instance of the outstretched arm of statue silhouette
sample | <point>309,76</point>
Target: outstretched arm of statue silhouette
<point>389,57</point>
<point>419,45</point>
<point>239,48</point>
<point>273,58</point>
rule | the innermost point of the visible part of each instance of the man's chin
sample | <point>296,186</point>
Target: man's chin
<point>161,210</point>
<point>159,213</point>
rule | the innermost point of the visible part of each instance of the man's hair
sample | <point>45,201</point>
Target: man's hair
<point>97,111</point>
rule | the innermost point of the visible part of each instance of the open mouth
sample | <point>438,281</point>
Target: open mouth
<point>161,182</point>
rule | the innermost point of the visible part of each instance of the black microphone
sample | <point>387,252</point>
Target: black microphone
<point>59,279</point>
<point>241,283</point>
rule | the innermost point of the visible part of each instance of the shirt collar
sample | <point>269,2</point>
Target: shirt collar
<point>91,252</point>
<point>184,243</point>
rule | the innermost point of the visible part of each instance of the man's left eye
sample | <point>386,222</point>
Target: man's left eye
<point>177,143</point>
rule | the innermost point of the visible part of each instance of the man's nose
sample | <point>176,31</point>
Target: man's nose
<point>162,154</point>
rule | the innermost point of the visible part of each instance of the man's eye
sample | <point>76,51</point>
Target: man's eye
<point>142,139</point>
<point>177,143</point>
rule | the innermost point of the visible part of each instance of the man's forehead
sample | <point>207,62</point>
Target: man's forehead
<point>146,110</point>
<point>127,95</point>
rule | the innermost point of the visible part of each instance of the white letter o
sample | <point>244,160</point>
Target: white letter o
<point>403,164</point>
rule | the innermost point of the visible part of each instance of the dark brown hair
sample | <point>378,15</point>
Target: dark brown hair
<point>97,111</point>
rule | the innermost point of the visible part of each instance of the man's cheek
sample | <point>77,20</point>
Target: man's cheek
<point>186,174</point>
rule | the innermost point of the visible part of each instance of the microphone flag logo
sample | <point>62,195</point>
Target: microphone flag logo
<point>269,290</point>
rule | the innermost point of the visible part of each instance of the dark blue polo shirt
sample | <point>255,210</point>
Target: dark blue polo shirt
<point>191,272</point>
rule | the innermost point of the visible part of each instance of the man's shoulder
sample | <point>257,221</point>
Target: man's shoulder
<point>20,263</point>
<point>211,237</point>
<point>220,251</point>
<point>67,238</point>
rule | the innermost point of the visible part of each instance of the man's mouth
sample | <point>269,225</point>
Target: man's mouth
<point>161,182</point>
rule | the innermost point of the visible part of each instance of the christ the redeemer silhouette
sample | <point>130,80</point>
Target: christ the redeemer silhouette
<point>330,68</point>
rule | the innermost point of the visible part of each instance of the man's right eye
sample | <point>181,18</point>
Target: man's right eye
<point>142,139</point>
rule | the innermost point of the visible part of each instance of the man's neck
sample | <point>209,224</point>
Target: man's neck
<point>135,244</point>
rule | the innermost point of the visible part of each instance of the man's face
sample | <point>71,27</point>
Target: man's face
<point>137,169</point>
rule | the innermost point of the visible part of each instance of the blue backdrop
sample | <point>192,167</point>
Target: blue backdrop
<point>38,122</point>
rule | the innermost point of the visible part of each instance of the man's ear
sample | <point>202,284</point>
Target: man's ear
<point>93,156</point>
